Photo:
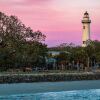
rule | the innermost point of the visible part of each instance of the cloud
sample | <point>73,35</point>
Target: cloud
<point>25,2</point>
<point>58,19</point>
<point>11,1</point>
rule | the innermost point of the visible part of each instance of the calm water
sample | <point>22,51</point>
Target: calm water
<point>76,90</point>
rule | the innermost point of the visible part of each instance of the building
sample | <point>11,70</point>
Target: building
<point>55,53</point>
<point>86,29</point>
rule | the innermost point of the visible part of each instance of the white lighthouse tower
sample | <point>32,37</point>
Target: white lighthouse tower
<point>86,29</point>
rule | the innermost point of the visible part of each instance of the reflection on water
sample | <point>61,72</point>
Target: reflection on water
<point>93,94</point>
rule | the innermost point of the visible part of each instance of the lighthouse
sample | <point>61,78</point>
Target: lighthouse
<point>86,29</point>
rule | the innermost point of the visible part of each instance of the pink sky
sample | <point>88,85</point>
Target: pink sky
<point>59,20</point>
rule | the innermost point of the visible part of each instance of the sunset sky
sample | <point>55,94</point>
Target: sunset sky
<point>59,20</point>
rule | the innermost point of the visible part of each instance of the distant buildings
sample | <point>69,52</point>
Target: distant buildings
<point>55,53</point>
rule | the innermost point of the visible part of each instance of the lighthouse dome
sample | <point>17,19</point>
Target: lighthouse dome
<point>86,13</point>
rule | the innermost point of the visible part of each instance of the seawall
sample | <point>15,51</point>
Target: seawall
<point>50,77</point>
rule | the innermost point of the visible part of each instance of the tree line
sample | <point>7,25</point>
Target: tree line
<point>75,57</point>
<point>20,46</point>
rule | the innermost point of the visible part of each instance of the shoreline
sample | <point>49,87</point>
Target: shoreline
<point>47,77</point>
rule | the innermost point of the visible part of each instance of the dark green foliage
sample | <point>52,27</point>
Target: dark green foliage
<point>88,56</point>
<point>19,45</point>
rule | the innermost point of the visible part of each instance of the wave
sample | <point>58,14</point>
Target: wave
<point>91,94</point>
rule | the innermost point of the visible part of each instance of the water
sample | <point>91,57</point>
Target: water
<point>65,95</point>
<point>76,90</point>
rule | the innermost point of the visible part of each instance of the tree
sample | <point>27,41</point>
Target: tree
<point>19,45</point>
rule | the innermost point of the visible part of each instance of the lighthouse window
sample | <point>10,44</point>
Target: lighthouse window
<point>83,27</point>
<point>84,42</point>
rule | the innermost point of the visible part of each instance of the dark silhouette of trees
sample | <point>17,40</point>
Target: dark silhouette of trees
<point>85,57</point>
<point>19,45</point>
